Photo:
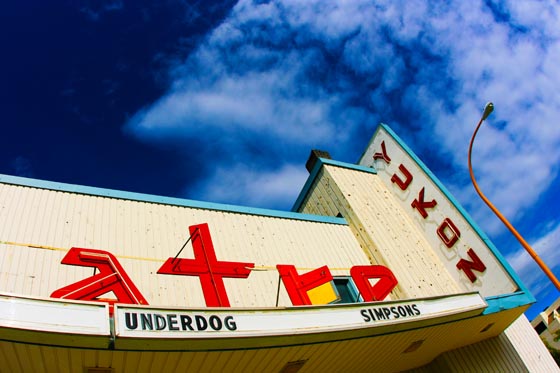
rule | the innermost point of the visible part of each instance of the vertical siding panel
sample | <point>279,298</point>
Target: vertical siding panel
<point>525,340</point>
<point>161,361</point>
<point>10,359</point>
<point>423,270</point>
<point>118,362</point>
<point>146,361</point>
<point>184,362</point>
<point>299,353</point>
<point>22,352</point>
<point>240,361</point>
<point>278,358</point>
<point>171,362</point>
<point>131,362</point>
<point>63,360</point>
<point>219,361</point>
<point>198,363</point>
<point>104,358</point>
<point>89,358</point>
<point>14,201</point>
<point>76,360</point>
<point>324,362</point>
<point>49,359</point>
<point>15,275</point>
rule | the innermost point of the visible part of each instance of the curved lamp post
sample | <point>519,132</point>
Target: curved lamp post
<point>487,110</point>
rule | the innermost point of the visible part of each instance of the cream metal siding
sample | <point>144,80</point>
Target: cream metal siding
<point>383,229</point>
<point>385,353</point>
<point>528,346</point>
<point>517,349</point>
<point>40,225</point>
<point>495,279</point>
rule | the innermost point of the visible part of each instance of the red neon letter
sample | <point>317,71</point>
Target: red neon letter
<point>206,266</point>
<point>298,285</point>
<point>455,233</point>
<point>383,155</point>
<point>361,276</point>
<point>467,266</point>
<point>397,180</point>
<point>421,206</point>
<point>111,277</point>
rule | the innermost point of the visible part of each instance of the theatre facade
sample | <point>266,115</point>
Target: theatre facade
<point>377,268</point>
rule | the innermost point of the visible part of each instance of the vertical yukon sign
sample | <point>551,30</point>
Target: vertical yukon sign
<point>459,244</point>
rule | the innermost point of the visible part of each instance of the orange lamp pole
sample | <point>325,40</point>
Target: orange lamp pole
<point>487,110</point>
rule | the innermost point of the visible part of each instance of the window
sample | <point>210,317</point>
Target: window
<point>551,318</point>
<point>347,290</point>
<point>541,327</point>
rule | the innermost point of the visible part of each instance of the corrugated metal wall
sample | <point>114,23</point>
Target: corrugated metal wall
<point>385,353</point>
<point>39,226</point>
<point>386,233</point>
<point>526,342</point>
<point>517,349</point>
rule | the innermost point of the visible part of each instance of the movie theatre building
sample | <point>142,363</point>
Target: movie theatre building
<point>376,269</point>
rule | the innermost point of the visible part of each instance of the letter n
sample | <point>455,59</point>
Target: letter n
<point>468,266</point>
<point>111,277</point>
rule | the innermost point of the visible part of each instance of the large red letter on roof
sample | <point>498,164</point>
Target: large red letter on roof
<point>386,283</point>
<point>207,267</point>
<point>302,288</point>
<point>111,277</point>
<point>421,205</point>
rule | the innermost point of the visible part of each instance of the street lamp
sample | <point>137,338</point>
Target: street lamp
<point>487,110</point>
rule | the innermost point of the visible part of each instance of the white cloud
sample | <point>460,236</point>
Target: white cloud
<point>94,13</point>
<point>243,185</point>
<point>546,248</point>
<point>254,102</point>
<point>288,76</point>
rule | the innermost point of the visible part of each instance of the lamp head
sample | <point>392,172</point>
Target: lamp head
<point>488,109</point>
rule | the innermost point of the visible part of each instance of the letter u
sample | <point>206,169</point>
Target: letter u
<point>131,323</point>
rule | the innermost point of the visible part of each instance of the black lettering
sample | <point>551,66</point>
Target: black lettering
<point>172,321</point>
<point>201,323</point>
<point>371,314</point>
<point>409,310</point>
<point>230,323</point>
<point>131,323</point>
<point>365,315</point>
<point>416,310</point>
<point>387,312</point>
<point>215,322</point>
<point>379,313</point>
<point>160,322</point>
<point>395,313</point>
<point>146,321</point>
<point>186,322</point>
<point>402,311</point>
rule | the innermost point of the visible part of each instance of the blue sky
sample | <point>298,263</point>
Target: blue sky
<point>222,101</point>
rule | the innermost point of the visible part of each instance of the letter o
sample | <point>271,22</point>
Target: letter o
<point>215,322</point>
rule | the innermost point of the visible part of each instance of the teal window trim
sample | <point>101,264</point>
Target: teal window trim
<point>349,286</point>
